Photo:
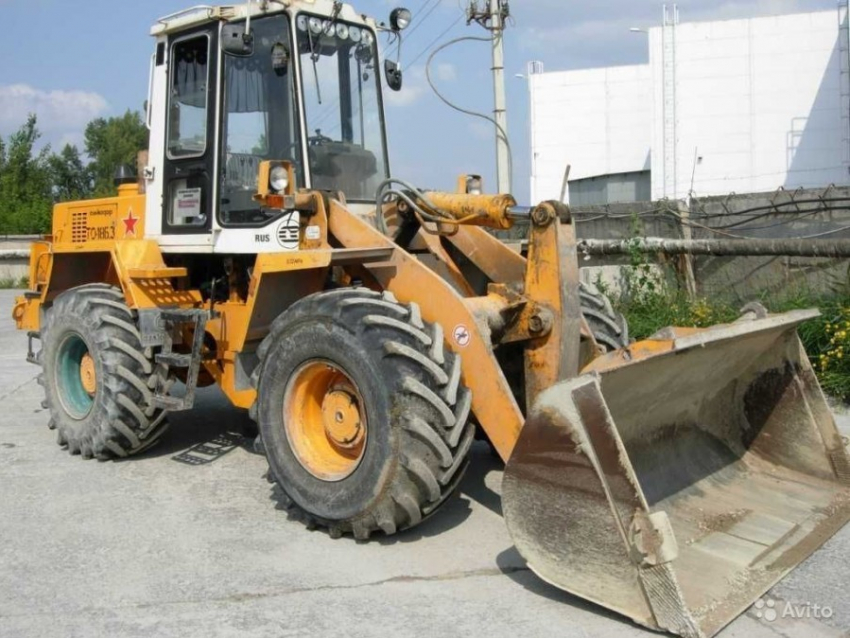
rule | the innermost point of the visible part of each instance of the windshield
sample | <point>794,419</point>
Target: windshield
<point>341,85</point>
<point>260,120</point>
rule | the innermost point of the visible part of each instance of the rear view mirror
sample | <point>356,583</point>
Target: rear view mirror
<point>394,76</point>
<point>235,40</point>
<point>280,58</point>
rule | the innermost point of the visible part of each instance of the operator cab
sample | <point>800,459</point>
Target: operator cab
<point>233,87</point>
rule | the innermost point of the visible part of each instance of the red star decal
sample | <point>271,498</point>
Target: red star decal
<point>130,224</point>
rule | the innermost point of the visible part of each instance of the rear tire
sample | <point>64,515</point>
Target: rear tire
<point>98,380</point>
<point>413,411</point>
<point>609,327</point>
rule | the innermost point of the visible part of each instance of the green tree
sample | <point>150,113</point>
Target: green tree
<point>25,184</point>
<point>110,143</point>
<point>70,177</point>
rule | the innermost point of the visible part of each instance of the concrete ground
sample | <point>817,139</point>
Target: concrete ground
<point>156,547</point>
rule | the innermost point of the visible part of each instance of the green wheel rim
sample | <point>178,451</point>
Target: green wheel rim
<point>69,383</point>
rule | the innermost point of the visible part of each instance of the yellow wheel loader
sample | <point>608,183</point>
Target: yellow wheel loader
<point>371,327</point>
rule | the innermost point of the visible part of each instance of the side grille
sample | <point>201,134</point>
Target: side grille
<point>79,227</point>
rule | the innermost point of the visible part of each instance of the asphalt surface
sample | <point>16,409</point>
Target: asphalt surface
<point>157,547</point>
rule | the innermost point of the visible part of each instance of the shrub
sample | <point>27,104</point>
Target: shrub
<point>826,339</point>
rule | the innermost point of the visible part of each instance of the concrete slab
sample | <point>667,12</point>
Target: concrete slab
<point>155,547</point>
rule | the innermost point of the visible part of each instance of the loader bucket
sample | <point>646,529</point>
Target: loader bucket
<point>676,481</point>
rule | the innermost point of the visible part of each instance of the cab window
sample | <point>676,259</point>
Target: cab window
<point>189,100</point>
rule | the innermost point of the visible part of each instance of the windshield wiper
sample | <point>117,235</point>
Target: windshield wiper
<point>315,58</point>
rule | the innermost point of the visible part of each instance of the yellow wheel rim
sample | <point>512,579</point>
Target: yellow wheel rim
<point>324,420</point>
<point>88,374</point>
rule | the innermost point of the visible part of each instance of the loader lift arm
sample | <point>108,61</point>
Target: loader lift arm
<point>548,319</point>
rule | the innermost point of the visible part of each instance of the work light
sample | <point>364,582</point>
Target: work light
<point>279,179</point>
<point>400,19</point>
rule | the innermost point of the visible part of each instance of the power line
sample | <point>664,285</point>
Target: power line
<point>499,127</point>
<point>424,18</point>
<point>372,99</point>
<point>418,23</point>
<point>435,40</point>
<point>492,17</point>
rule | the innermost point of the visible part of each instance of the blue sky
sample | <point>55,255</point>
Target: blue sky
<point>72,61</point>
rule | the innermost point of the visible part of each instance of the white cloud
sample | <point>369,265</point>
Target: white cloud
<point>408,96</point>
<point>416,85</point>
<point>413,89</point>
<point>482,130</point>
<point>61,114</point>
<point>446,72</point>
<point>74,138</point>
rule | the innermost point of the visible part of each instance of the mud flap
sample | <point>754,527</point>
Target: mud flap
<point>679,479</point>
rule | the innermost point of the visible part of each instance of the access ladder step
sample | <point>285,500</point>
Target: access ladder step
<point>175,359</point>
<point>172,404</point>
<point>31,356</point>
<point>191,362</point>
<point>183,315</point>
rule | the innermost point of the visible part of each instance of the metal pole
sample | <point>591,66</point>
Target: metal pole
<point>829,248</point>
<point>686,261</point>
<point>533,68</point>
<point>530,69</point>
<point>565,185</point>
<point>845,37</point>
<point>500,110</point>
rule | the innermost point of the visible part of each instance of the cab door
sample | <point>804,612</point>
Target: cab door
<point>189,166</point>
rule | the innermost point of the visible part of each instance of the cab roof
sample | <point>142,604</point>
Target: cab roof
<point>204,14</point>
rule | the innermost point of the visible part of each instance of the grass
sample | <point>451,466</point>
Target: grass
<point>8,283</point>
<point>650,306</point>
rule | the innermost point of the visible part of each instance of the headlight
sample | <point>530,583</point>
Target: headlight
<point>301,23</point>
<point>342,31</point>
<point>368,38</point>
<point>315,25</point>
<point>354,34</point>
<point>279,179</point>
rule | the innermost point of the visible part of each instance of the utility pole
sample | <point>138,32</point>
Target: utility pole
<point>493,19</point>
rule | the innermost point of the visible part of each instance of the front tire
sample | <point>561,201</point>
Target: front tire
<point>362,413</point>
<point>98,380</point>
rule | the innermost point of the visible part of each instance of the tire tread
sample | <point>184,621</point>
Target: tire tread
<point>435,434</point>
<point>128,422</point>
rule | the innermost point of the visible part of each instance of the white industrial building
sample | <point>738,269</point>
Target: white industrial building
<point>734,106</point>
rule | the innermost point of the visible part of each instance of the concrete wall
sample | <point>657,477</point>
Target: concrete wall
<point>597,121</point>
<point>820,212</point>
<point>14,259</point>
<point>823,212</point>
